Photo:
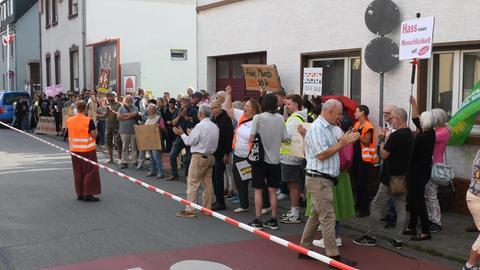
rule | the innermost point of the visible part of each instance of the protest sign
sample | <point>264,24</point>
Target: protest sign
<point>53,90</point>
<point>416,38</point>
<point>148,137</point>
<point>312,81</point>
<point>261,77</point>
<point>244,169</point>
<point>297,143</point>
<point>46,125</point>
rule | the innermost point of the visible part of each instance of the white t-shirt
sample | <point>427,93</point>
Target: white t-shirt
<point>242,135</point>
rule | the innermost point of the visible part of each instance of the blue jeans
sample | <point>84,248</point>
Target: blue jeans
<point>101,131</point>
<point>156,165</point>
<point>177,147</point>
<point>25,122</point>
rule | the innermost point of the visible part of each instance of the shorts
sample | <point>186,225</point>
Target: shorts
<point>111,135</point>
<point>266,174</point>
<point>292,173</point>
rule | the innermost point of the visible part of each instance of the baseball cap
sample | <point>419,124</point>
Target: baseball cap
<point>111,93</point>
<point>197,95</point>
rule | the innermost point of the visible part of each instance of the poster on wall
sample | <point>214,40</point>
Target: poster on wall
<point>261,77</point>
<point>416,38</point>
<point>129,84</point>
<point>312,81</point>
<point>106,67</point>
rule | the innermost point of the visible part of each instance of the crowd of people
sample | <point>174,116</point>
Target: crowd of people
<point>227,146</point>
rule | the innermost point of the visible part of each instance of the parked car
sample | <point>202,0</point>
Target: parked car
<point>6,104</point>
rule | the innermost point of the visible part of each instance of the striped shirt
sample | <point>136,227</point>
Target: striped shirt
<point>318,139</point>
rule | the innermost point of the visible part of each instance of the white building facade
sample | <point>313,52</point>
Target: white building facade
<point>332,34</point>
<point>153,43</point>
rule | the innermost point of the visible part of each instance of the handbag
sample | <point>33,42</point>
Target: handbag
<point>397,185</point>
<point>257,152</point>
<point>442,173</point>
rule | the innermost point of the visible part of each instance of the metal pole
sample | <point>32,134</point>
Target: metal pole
<point>380,111</point>
<point>8,57</point>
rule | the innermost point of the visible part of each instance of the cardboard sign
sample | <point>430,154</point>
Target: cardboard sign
<point>261,77</point>
<point>148,137</point>
<point>416,38</point>
<point>244,169</point>
<point>312,81</point>
<point>46,125</point>
<point>297,147</point>
<point>92,111</point>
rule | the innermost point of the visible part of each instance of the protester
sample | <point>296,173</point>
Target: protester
<point>364,157</point>
<point>292,166</point>
<point>190,91</point>
<point>57,114</point>
<point>442,134</point>
<point>473,203</point>
<point>82,134</point>
<point>156,166</point>
<point>139,100</point>
<point>185,118</point>
<point>166,97</point>
<point>270,127</point>
<point>395,152</point>
<point>112,129</point>
<point>45,106</point>
<point>323,167</point>
<point>203,140</point>
<point>102,112</point>
<point>241,145</point>
<point>222,154</point>
<point>127,115</point>
<point>35,112</point>
<point>419,174</point>
<point>170,111</point>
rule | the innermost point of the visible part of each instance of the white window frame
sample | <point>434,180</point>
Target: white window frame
<point>11,7</point>
<point>178,51</point>
<point>457,93</point>
<point>347,67</point>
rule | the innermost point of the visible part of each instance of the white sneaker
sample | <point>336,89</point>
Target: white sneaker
<point>108,161</point>
<point>266,210</point>
<point>290,220</point>
<point>282,196</point>
<point>287,214</point>
<point>321,244</point>
<point>240,210</point>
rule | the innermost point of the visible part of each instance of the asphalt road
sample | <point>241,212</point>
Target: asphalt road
<point>42,225</point>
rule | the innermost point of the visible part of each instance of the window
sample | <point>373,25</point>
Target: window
<point>1,14</point>
<point>341,76</point>
<point>47,13</point>
<point>54,12</point>
<point>48,72</point>
<point>451,77</point>
<point>57,68</point>
<point>11,7</point>
<point>74,69</point>
<point>222,69</point>
<point>3,52</point>
<point>72,8</point>
<point>178,54</point>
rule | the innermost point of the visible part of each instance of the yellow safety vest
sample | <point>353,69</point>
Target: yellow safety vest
<point>285,149</point>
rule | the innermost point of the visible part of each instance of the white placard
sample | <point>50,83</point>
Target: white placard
<point>244,169</point>
<point>416,38</point>
<point>298,143</point>
<point>312,81</point>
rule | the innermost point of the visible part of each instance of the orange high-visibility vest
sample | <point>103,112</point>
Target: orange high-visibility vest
<point>369,152</point>
<point>79,138</point>
<point>241,120</point>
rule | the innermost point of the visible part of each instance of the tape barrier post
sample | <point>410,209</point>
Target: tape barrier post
<point>273,238</point>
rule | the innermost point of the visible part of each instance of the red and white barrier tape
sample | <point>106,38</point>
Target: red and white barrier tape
<point>273,238</point>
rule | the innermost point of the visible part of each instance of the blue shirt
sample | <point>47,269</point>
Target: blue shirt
<point>319,138</point>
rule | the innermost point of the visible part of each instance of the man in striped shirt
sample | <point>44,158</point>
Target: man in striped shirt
<point>323,167</point>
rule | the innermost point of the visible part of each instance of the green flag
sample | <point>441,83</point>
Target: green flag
<point>462,122</point>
